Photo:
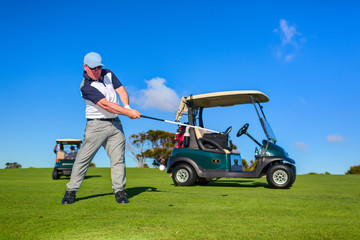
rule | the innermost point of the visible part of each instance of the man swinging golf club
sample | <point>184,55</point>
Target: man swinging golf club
<point>99,89</point>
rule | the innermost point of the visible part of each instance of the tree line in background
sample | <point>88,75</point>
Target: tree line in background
<point>13,165</point>
<point>354,170</point>
<point>153,144</point>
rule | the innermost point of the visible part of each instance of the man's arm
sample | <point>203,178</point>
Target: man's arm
<point>124,96</point>
<point>117,109</point>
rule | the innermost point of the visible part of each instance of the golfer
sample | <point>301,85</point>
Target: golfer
<point>99,89</point>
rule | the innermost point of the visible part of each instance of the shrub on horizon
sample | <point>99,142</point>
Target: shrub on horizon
<point>314,173</point>
<point>354,170</point>
<point>13,165</point>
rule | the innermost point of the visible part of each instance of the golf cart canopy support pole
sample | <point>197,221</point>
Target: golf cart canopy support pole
<point>262,124</point>
<point>261,109</point>
<point>253,102</point>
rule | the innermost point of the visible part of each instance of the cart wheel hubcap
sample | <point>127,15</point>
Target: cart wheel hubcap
<point>182,175</point>
<point>280,177</point>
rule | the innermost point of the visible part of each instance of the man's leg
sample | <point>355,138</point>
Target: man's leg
<point>115,148</point>
<point>93,140</point>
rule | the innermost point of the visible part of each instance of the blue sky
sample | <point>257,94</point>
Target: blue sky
<point>304,55</point>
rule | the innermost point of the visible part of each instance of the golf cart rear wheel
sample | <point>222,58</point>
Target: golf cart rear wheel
<point>184,175</point>
<point>280,176</point>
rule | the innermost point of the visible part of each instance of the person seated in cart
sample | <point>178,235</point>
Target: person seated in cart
<point>60,154</point>
<point>71,154</point>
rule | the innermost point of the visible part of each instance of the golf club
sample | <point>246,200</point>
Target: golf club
<point>181,124</point>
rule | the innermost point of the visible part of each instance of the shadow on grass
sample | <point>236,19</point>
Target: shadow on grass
<point>238,183</point>
<point>87,177</point>
<point>68,177</point>
<point>130,192</point>
<point>93,196</point>
<point>231,183</point>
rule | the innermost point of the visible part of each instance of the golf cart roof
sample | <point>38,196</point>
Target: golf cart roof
<point>68,141</point>
<point>220,99</point>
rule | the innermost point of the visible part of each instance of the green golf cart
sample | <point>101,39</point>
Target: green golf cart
<point>202,155</point>
<point>66,150</point>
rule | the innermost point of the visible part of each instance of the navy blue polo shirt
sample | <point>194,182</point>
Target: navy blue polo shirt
<point>94,90</point>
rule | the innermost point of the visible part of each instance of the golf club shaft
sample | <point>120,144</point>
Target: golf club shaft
<point>181,124</point>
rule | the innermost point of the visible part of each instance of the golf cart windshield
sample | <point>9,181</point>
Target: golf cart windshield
<point>268,131</point>
<point>69,147</point>
<point>68,143</point>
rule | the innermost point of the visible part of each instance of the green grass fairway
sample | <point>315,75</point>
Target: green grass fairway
<point>316,207</point>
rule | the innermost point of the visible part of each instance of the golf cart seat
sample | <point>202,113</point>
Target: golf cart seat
<point>212,142</point>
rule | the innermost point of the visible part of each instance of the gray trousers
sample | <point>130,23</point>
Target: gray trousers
<point>98,133</point>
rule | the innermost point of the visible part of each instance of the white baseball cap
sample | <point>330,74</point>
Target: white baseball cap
<point>93,59</point>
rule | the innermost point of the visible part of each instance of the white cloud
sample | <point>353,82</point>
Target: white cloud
<point>335,138</point>
<point>157,95</point>
<point>303,147</point>
<point>290,42</point>
<point>289,57</point>
<point>287,33</point>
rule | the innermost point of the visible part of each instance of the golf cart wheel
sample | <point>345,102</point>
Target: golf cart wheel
<point>55,174</point>
<point>294,176</point>
<point>184,175</point>
<point>280,176</point>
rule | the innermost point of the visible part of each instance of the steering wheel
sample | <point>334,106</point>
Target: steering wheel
<point>242,130</point>
<point>228,130</point>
